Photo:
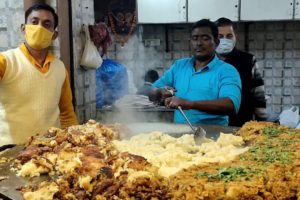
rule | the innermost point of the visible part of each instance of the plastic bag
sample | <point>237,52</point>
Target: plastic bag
<point>290,117</point>
<point>90,57</point>
<point>111,82</point>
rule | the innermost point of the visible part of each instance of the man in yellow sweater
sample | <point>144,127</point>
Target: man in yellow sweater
<point>35,92</point>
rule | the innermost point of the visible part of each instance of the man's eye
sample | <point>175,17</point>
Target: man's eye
<point>47,25</point>
<point>205,38</point>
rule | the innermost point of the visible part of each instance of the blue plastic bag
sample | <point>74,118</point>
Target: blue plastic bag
<point>111,82</point>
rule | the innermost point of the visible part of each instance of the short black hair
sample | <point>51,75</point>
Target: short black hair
<point>42,6</point>
<point>209,24</point>
<point>224,22</point>
<point>151,76</point>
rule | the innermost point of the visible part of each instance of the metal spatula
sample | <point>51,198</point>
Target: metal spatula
<point>199,132</point>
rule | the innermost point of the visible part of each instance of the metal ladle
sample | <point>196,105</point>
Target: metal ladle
<point>199,132</point>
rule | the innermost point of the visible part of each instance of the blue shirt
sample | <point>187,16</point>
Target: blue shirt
<point>216,80</point>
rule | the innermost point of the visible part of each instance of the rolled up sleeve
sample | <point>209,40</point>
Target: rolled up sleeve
<point>67,114</point>
<point>166,79</point>
<point>230,87</point>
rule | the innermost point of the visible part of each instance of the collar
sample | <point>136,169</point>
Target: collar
<point>49,58</point>
<point>209,66</point>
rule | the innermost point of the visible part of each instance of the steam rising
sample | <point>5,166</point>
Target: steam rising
<point>138,59</point>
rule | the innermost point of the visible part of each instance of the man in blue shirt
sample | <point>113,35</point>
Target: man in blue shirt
<point>206,87</point>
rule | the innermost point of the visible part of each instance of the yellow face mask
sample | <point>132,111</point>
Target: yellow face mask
<point>38,37</point>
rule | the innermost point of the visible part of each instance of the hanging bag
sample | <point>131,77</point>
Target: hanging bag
<point>90,58</point>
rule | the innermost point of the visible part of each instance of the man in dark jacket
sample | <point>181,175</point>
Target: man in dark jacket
<point>253,104</point>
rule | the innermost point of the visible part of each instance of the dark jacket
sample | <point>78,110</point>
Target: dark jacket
<point>244,63</point>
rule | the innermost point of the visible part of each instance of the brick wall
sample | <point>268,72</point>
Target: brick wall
<point>11,18</point>
<point>85,80</point>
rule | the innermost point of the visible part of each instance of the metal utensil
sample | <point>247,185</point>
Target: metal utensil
<point>6,146</point>
<point>199,132</point>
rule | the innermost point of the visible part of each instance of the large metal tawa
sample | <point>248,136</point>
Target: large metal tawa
<point>8,187</point>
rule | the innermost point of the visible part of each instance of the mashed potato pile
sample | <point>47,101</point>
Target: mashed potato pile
<point>171,154</point>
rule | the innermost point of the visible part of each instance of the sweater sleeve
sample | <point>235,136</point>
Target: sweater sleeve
<point>67,114</point>
<point>258,91</point>
<point>2,66</point>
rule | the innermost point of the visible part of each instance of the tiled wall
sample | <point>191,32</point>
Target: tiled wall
<point>276,46</point>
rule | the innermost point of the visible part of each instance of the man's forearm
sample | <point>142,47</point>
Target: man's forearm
<point>154,94</point>
<point>222,106</point>
<point>160,94</point>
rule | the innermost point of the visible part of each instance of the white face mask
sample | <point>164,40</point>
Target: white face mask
<point>225,46</point>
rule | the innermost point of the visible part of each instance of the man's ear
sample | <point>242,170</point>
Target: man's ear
<point>23,28</point>
<point>55,35</point>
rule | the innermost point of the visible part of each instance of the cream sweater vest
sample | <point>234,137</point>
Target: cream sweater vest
<point>28,98</point>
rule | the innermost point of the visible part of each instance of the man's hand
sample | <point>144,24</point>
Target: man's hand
<point>159,95</point>
<point>167,92</point>
<point>174,102</point>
